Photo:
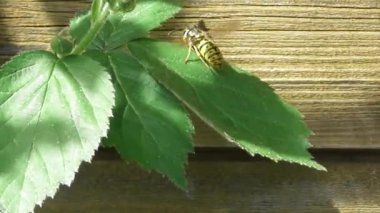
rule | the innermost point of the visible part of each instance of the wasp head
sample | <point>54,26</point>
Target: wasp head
<point>191,33</point>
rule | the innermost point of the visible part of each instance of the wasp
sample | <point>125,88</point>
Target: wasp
<point>197,38</point>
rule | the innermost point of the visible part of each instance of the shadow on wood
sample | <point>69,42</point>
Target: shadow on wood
<point>7,49</point>
<point>351,185</point>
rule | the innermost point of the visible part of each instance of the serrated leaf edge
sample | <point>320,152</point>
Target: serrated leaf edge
<point>191,128</point>
<point>312,163</point>
<point>109,114</point>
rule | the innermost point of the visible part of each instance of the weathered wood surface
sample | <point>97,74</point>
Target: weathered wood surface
<point>234,185</point>
<point>322,56</point>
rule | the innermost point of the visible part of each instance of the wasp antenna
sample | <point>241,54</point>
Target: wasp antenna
<point>172,31</point>
<point>202,25</point>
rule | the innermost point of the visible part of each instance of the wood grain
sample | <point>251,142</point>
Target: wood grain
<point>322,56</point>
<point>218,185</point>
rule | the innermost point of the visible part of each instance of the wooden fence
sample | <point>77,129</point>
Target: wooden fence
<point>322,56</point>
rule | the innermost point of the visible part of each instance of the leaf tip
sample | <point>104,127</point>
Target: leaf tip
<point>319,167</point>
<point>180,183</point>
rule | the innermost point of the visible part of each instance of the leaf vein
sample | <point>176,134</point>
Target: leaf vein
<point>35,127</point>
<point>83,93</point>
<point>68,107</point>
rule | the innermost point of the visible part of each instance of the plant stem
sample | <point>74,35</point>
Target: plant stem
<point>95,28</point>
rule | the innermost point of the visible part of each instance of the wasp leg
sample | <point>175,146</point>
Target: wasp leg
<point>188,53</point>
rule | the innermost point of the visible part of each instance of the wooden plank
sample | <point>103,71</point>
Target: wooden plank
<point>234,185</point>
<point>322,56</point>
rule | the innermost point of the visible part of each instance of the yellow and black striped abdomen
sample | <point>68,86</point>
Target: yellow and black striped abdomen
<point>208,52</point>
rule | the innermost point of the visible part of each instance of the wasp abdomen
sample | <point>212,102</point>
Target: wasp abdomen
<point>209,53</point>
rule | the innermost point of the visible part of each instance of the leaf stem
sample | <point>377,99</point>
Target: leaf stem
<point>95,28</point>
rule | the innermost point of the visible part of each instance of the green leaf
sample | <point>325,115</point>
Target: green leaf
<point>61,46</point>
<point>238,105</point>
<point>122,5</point>
<point>53,113</point>
<point>123,27</point>
<point>79,26</point>
<point>150,125</point>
